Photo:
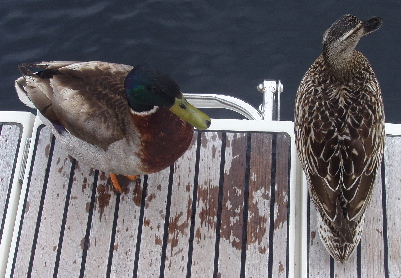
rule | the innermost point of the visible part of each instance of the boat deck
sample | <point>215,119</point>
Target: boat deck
<point>235,204</point>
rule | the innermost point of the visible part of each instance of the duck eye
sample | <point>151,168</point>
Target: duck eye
<point>155,90</point>
<point>183,106</point>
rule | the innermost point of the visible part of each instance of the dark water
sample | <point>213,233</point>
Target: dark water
<point>206,46</point>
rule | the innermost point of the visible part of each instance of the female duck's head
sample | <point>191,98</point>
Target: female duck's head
<point>341,38</point>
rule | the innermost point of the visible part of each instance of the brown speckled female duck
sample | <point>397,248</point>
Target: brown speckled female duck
<point>339,128</point>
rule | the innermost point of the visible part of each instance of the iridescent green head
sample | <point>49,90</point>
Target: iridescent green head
<point>148,87</point>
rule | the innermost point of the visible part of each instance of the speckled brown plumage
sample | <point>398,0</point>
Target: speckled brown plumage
<point>339,129</point>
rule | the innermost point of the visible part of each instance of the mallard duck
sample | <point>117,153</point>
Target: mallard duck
<point>339,132</point>
<point>115,118</point>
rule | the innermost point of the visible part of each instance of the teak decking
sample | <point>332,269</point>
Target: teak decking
<point>233,205</point>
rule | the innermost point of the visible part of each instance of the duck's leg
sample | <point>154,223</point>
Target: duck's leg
<point>116,184</point>
<point>133,177</point>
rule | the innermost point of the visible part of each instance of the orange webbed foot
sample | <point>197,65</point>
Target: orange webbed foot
<point>116,184</point>
<point>133,177</point>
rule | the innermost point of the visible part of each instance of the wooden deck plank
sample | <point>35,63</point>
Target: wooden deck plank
<point>101,228</point>
<point>77,217</point>
<point>12,143</point>
<point>31,205</point>
<point>127,231</point>
<point>392,158</point>
<point>281,208</point>
<point>318,258</point>
<point>259,203</point>
<point>372,263</point>
<point>153,224</point>
<point>53,208</point>
<point>203,253</point>
<point>232,221</point>
<point>347,270</point>
<point>10,136</point>
<point>180,213</point>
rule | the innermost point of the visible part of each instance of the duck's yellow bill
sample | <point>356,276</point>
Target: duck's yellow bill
<point>186,111</point>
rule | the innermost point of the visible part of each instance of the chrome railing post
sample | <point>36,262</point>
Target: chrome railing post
<point>270,106</point>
